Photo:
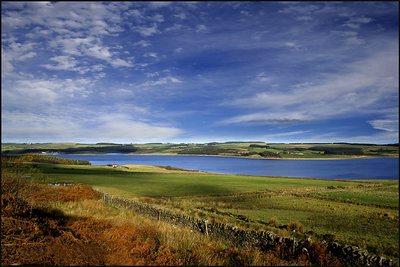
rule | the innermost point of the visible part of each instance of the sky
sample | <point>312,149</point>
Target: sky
<point>196,72</point>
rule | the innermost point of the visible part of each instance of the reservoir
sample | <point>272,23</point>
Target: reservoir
<point>375,168</point>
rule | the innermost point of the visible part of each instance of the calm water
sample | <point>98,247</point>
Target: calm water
<point>379,168</point>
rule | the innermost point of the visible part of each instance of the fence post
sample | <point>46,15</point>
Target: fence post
<point>294,245</point>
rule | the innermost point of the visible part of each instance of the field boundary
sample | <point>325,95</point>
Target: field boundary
<point>309,192</point>
<point>310,195</point>
<point>246,238</point>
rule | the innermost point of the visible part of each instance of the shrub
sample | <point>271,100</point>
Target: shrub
<point>296,226</point>
<point>273,222</point>
<point>269,154</point>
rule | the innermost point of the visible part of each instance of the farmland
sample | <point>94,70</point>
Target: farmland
<point>258,199</point>
<point>233,149</point>
<point>363,213</point>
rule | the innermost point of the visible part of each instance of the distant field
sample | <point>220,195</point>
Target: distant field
<point>237,149</point>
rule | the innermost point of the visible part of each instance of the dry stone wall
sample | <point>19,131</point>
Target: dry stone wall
<point>245,238</point>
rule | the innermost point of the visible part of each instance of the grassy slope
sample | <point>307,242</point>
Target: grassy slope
<point>154,181</point>
<point>47,225</point>
<point>367,227</point>
<point>388,196</point>
<point>363,226</point>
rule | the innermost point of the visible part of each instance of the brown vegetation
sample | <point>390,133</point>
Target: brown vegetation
<point>296,226</point>
<point>34,234</point>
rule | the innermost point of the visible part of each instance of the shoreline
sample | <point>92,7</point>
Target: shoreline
<point>244,157</point>
<point>222,156</point>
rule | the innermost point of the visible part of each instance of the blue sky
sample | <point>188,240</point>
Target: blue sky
<point>136,72</point>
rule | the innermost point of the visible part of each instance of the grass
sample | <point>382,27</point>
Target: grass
<point>257,202</point>
<point>155,181</point>
<point>372,228</point>
<point>388,196</point>
<point>72,226</point>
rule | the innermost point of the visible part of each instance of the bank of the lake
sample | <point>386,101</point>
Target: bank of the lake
<point>372,168</point>
<point>254,156</point>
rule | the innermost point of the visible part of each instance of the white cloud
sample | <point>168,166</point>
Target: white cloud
<point>135,131</point>
<point>201,28</point>
<point>98,51</point>
<point>72,46</point>
<point>151,54</point>
<point>304,18</point>
<point>180,15</point>
<point>263,78</point>
<point>91,47</point>
<point>31,94</point>
<point>356,22</point>
<point>285,134</point>
<point>389,124</point>
<point>161,81</point>
<point>379,138</point>
<point>97,18</point>
<point>158,18</point>
<point>283,117</point>
<point>258,35</point>
<point>63,63</point>
<point>152,74</point>
<point>142,43</point>
<point>351,37</point>
<point>71,28</point>
<point>299,8</point>
<point>364,88</point>
<point>136,14</point>
<point>159,4</point>
<point>174,27</point>
<point>34,127</point>
<point>13,52</point>
<point>118,62</point>
<point>178,50</point>
<point>27,55</point>
<point>146,30</point>
<point>292,45</point>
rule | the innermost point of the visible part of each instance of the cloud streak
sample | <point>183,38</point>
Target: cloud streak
<point>364,87</point>
<point>114,127</point>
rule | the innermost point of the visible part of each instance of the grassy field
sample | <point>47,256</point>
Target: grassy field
<point>388,196</point>
<point>363,226</point>
<point>253,201</point>
<point>71,226</point>
<point>155,181</point>
<point>311,207</point>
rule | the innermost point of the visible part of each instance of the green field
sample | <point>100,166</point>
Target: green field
<point>388,196</point>
<point>369,219</point>
<point>155,181</point>
<point>230,198</point>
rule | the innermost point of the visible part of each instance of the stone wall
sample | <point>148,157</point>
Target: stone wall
<point>246,238</point>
